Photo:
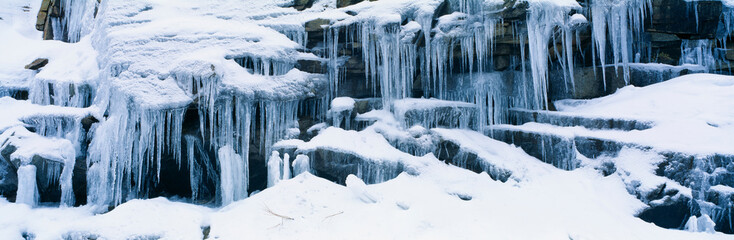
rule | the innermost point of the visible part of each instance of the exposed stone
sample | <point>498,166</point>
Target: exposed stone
<point>8,179</point>
<point>311,66</point>
<point>678,17</point>
<point>522,116</point>
<point>663,37</point>
<point>42,15</point>
<point>552,149</point>
<point>514,10</point>
<point>316,25</point>
<point>336,166</point>
<point>365,105</point>
<point>452,153</point>
<point>670,214</point>
<point>589,82</point>
<point>501,63</point>
<point>300,5</point>
<point>37,64</point>
<point>315,31</point>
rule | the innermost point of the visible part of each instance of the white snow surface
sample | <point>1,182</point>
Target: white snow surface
<point>693,113</point>
<point>341,104</point>
<point>152,50</point>
<point>498,154</point>
<point>579,204</point>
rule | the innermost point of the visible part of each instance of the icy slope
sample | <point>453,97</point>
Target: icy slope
<point>693,113</point>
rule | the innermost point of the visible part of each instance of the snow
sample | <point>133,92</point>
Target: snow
<point>498,155</point>
<point>637,168</point>
<point>555,206</point>
<point>379,115</point>
<point>15,112</point>
<point>182,221</point>
<point>692,113</point>
<point>434,112</point>
<point>148,61</point>
<point>341,104</point>
<point>367,144</point>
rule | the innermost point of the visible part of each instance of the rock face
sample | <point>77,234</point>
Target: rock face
<point>49,8</point>
<point>458,57</point>
<point>692,20</point>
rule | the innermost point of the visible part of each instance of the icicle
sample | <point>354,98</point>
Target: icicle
<point>301,165</point>
<point>286,167</point>
<point>542,20</point>
<point>193,171</point>
<point>233,180</point>
<point>431,113</point>
<point>624,22</point>
<point>65,179</point>
<point>387,60</point>
<point>274,171</point>
<point>53,92</point>
<point>698,52</point>
<point>331,40</point>
<point>277,118</point>
<point>297,34</point>
<point>127,146</point>
<point>27,187</point>
<point>76,22</point>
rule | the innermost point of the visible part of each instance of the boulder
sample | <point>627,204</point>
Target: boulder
<point>37,64</point>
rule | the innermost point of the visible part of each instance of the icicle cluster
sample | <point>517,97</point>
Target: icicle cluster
<point>128,147</point>
<point>620,24</point>
<point>76,21</point>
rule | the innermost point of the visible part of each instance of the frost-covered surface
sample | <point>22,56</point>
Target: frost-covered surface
<point>15,111</point>
<point>367,144</point>
<point>692,113</point>
<point>140,66</point>
<point>341,104</point>
<point>193,45</point>
<point>497,154</point>
<point>556,206</point>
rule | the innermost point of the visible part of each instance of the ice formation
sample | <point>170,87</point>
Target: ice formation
<point>233,174</point>
<point>619,24</point>
<point>275,163</point>
<point>27,186</point>
<point>301,165</point>
<point>77,20</point>
<point>225,93</point>
<point>286,167</point>
<point>543,18</point>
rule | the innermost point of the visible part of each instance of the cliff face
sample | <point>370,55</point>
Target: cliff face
<point>211,101</point>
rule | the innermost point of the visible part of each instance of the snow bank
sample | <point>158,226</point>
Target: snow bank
<point>693,113</point>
